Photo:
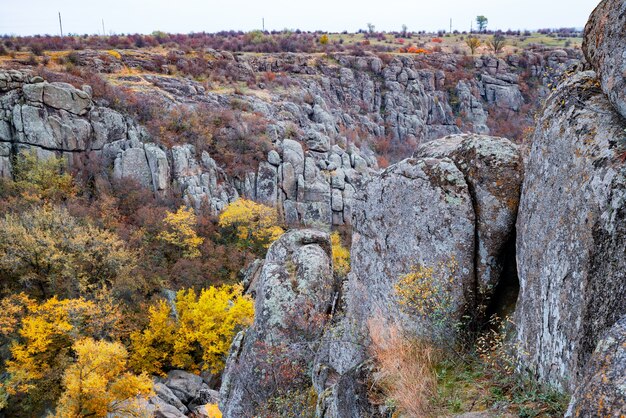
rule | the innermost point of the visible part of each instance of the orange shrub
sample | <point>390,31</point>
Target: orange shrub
<point>405,369</point>
<point>416,50</point>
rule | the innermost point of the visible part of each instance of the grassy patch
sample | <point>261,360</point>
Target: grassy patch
<point>475,386</point>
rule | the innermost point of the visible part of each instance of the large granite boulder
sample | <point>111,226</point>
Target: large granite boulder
<point>605,49</point>
<point>492,168</point>
<point>416,213</point>
<point>602,391</point>
<point>571,232</point>
<point>295,293</point>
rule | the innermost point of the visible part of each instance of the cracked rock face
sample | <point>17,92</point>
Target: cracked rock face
<point>295,293</point>
<point>602,391</point>
<point>571,233</point>
<point>417,212</point>
<point>492,168</point>
<point>457,200</point>
<point>605,49</point>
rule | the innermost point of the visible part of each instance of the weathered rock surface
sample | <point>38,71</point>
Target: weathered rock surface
<point>571,233</point>
<point>312,187</point>
<point>492,168</point>
<point>180,394</point>
<point>295,293</point>
<point>602,391</point>
<point>605,49</point>
<point>417,212</point>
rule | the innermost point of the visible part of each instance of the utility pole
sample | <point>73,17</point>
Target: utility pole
<point>103,32</point>
<point>263,23</point>
<point>450,26</point>
<point>60,24</point>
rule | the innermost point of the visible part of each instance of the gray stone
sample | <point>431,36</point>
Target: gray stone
<point>184,385</point>
<point>273,158</point>
<point>602,390</point>
<point>417,212</point>
<point>295,291</point>
<point>133,164</point>
<point>605,49</point>
<point>168,397</point>
<point>571,233</point>
<point>65,96</point>
<point>492,168</point>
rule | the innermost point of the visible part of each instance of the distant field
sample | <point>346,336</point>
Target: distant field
<point>456,43</point>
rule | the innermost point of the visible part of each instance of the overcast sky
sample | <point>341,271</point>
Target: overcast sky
<point>27,17</point>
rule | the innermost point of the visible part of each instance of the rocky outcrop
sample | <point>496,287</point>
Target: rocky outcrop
<point>417,212</point>
<point>295,291</point>
<point>571,234</point>
<point>180,394</point>
<point>492,168</point>
<point>452,209</point>
<point>605,49</point>
<point>311,186</point>
<point>602,390</point>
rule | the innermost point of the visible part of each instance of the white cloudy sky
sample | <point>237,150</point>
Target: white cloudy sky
<point>25,17</point>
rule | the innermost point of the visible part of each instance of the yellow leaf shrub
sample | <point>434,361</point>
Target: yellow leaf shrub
<point>98,383</point>
<point>213,411</point>
<point>341,255</point>
<point>52,253</point>
<point>426,291</point>
<point>41,337</point>
<point>199,337</point>
<point>255,225</point>
<point>181,232</point>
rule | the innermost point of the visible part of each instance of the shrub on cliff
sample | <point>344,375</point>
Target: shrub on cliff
<point>196,335</point>
<point>253,225</point>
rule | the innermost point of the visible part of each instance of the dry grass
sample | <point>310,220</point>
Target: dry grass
<point>405,369</point>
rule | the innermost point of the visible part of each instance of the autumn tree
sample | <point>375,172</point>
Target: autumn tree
<point>341,255</point>
<point>181,232</point>
<point>42,179</point>
<point>41,336</point>
<point>254,225</point>
<point>47,251</point>
<point>323,39</point>
<point>473,43</point>
<point>497,42</point>
<point>198,336</point>
<point>98,383</point>
<point>482,23</point>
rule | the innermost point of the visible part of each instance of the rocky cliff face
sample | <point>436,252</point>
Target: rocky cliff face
<point>312,187</point>
<point>327,105</point>
<point>295,293</point>
<point>419,212</point>
<point>602,390</point>
<point>571,238</point>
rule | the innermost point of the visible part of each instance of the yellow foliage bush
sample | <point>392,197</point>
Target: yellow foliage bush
<point>50,252</point>
<point>114,54</point>
<point>181,232</point>
<point>255,225</point>
<point>323,39</point>
<point>198,337</point>
<point>341,255</point>
<point>427,291</point>
<point>38,179</point>
<point>98,383</point>
<point>41,336</point>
